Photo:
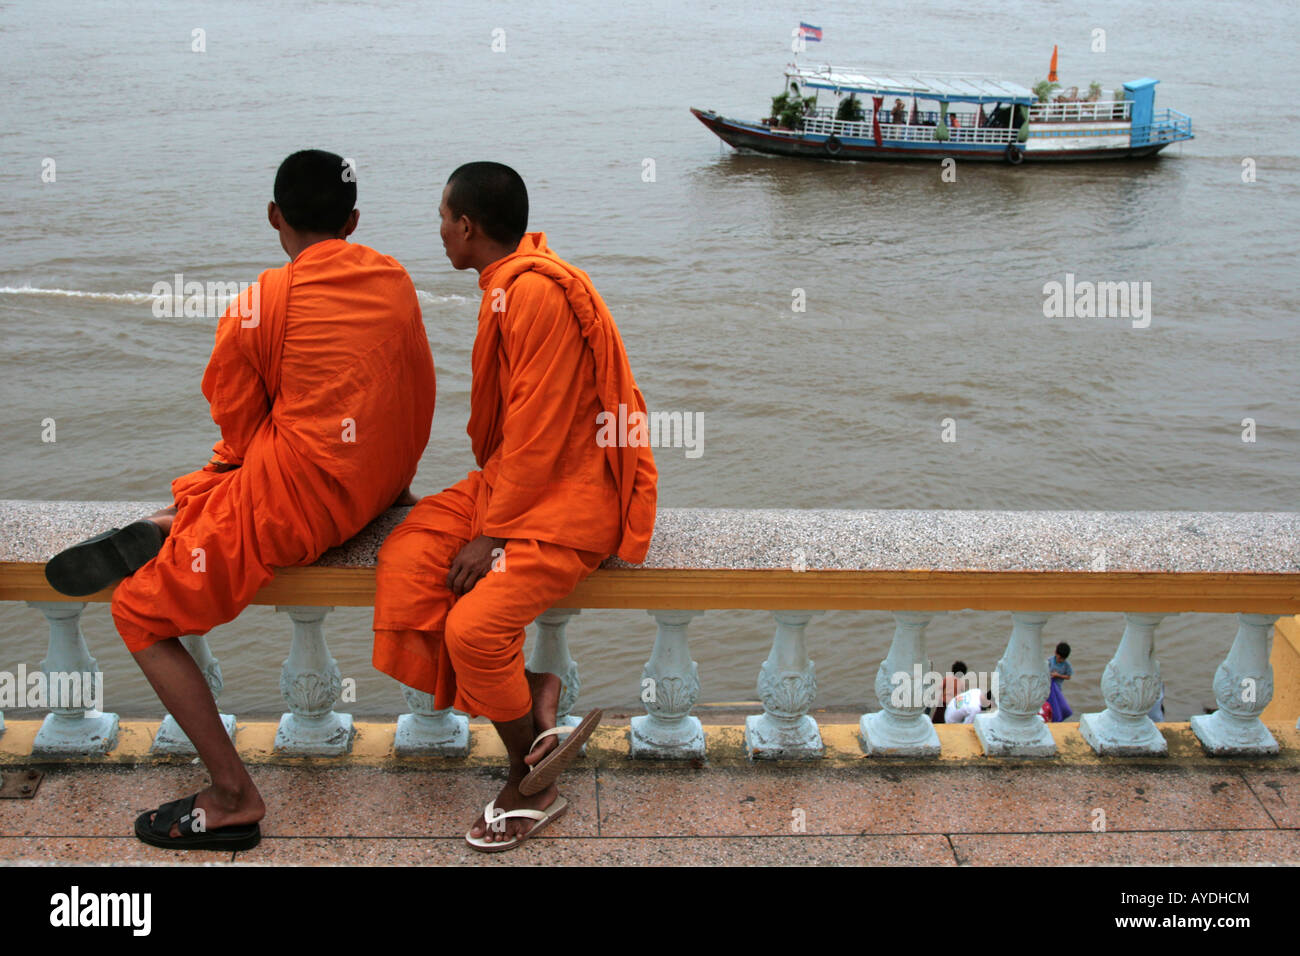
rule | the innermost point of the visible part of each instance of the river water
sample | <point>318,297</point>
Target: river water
<point>924,299</point>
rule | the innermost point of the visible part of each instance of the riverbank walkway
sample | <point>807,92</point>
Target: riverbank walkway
<point>371,808</point>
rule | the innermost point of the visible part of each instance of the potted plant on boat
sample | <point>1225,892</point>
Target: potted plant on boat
<point>850,110</point>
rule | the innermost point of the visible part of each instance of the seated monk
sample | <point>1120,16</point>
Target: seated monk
<point>469,568</point>
<point>322,383</point>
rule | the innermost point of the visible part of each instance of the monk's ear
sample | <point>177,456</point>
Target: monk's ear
<point>350,226</point>
<point>467,227</point>
<point>273,215</point>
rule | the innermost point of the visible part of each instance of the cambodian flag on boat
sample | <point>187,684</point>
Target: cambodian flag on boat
<point>810,32</point>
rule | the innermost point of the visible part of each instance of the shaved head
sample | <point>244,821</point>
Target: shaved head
<point>493,197</point>
<point>316,191</point>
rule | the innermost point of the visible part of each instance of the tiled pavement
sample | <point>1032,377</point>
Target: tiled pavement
<point>844,810</point>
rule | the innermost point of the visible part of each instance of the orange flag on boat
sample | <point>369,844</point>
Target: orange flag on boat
<point>1051,70</point>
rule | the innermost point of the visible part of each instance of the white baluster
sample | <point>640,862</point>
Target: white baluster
<point>551,655</point>
<point>901,728</point>
<point>310,683</point>
<point>429,731</point>
<point>73,681</point>
<point>1131,686</point>
<point>1243,686</point>
<point>670,683</point>
<point>787,685</point>
<point>171,739</point>
<point>1016,729</point>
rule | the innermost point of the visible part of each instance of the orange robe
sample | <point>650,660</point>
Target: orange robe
<point>548,360</point>
<point>324,399</point>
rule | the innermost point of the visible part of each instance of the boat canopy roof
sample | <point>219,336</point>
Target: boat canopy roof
<point>951,87</point>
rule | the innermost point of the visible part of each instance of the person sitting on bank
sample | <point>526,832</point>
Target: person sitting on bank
<point>963,708</point>
<point>459,580</point>
<point>321,382</point>
<point>954,683</point>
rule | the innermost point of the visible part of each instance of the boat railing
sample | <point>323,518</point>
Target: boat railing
<point>1080,112</point>
<point>1167,126</point>
<point>921,132</point>
<point>921,118</point>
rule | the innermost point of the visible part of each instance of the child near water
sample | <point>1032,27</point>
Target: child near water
<point>1059,669</point>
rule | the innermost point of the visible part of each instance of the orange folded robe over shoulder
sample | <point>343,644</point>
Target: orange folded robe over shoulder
<point>322,383</point>
<point>549,367</point>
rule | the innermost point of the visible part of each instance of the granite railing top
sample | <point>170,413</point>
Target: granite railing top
<point>825,540</point>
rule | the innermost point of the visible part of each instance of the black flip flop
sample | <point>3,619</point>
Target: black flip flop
<point>157,832</point>
<point>97,562</point>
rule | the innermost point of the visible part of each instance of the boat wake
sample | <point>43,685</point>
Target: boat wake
<point>434,297</point>
<point>148,297</point>
<point>139,297</point>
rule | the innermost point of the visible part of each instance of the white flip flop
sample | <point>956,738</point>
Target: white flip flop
<point>491,815</point>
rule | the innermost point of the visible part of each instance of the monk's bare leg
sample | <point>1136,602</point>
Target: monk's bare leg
<point>545,688</point>
<point>233,798</point>
<point>518,736</point>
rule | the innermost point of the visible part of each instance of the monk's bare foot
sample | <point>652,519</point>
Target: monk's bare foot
<point>545,688</point>
<point>226,808</point>
<point>511,799</point>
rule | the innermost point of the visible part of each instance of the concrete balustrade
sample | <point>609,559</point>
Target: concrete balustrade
<point>1131,685</point>
<point>72,674</point>
<point>170,739</point>
<point>902,727</point>
<point>1015,729</point>
<point>310,683</point>
<point>428,730</point>
<point>670,685</point>
<point>1243,686</point>
<point>787,686</point>
<point>916,564</point>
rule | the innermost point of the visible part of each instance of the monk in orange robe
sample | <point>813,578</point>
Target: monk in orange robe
<point>322,384</point>
<point>470,567</point>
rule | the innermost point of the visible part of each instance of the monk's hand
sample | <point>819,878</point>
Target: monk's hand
<point>473,561</point>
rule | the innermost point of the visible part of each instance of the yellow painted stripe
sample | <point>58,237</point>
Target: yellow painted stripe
<point>608,747</point>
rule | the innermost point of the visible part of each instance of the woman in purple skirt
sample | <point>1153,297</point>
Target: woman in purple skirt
<point>1060,670</point>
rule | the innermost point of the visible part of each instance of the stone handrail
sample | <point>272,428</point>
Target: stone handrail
<point>794,563</point>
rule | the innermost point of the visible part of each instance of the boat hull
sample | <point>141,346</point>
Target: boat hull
<point>742,135</point>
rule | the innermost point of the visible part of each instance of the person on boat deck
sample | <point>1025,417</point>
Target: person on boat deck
<point>469,568</point>
<point>800,103</point>
<point>321,382</point>
<point>899,112</point>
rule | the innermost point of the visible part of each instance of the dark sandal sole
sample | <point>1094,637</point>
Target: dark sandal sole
<point>89,567</point>
<point>558,760</point>
<point>222,838</point>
